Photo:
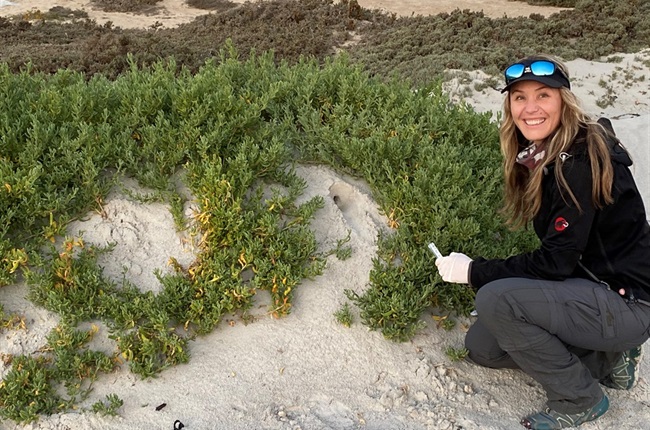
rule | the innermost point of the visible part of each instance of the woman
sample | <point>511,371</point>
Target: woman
<point>573,313</point>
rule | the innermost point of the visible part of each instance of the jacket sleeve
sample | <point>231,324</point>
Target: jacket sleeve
<point>562,227</point>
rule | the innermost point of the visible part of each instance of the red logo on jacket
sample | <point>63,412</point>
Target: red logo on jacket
<point>561,224</point>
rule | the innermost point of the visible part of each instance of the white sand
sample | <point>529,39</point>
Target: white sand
<point>306,371</point>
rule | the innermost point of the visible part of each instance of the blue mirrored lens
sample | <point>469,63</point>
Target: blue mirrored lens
<point>542,68</point>
<point>515,71</point>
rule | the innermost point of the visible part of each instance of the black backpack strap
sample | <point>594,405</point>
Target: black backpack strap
<point>607,124</point>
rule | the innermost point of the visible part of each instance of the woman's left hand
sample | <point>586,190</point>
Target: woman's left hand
<point>454,268</point>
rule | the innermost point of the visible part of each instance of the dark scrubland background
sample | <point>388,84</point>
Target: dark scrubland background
<point>418,48</point>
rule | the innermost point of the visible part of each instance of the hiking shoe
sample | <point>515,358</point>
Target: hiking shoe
<point>553,420</point>
<point>623,376</point>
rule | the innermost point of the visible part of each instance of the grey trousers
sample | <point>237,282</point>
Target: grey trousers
<point>567,335</point>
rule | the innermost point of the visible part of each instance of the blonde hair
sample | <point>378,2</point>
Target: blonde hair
<point>523,187</point>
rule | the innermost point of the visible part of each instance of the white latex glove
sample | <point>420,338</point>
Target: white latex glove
<point>454,268</point>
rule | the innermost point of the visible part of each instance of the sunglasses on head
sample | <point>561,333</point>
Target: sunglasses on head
<point>537,68</point>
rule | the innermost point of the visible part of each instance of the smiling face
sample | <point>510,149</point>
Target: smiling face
<point>535,109</point>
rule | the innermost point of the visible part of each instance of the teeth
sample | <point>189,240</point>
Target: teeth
<point>534,121</point>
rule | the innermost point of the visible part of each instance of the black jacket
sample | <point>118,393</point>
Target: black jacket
<point>612,242</point>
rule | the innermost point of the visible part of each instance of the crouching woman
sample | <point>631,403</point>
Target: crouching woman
<point>573,313</point>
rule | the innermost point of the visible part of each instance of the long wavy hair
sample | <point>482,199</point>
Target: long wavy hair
<point>523,187</point>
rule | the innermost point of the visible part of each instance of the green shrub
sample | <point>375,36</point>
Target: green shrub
<point>28,389</point>
<point>344,315</point>
<point>236,128</point>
